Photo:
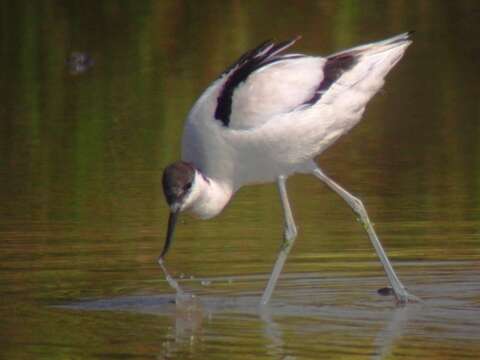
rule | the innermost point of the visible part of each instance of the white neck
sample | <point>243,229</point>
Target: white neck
<point>208,197</point>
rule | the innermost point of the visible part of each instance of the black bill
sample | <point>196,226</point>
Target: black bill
<point>172,220</point>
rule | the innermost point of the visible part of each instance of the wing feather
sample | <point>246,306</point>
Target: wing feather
<point>262,56</point>
<point>283,110</point>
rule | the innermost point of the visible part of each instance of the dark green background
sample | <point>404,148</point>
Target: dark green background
<point>81,155</point>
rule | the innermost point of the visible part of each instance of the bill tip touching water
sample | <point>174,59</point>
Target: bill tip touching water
<point>266,118</point>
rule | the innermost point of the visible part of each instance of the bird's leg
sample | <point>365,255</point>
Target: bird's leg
<point>289,235</point>
<point>356,204</point>
<point>289,229</point>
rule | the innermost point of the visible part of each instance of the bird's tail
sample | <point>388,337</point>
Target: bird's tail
<point>378,46</point>
<point>367,66</point>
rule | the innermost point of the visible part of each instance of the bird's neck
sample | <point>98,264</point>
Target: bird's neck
<point>211,196</point>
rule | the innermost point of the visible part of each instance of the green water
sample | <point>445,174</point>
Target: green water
<point>82,215</point>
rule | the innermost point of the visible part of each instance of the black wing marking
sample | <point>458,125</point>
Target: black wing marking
<point>264,54</point>
<point>338,63</point>
<point>335,66</point>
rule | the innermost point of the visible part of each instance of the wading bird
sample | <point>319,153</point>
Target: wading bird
<point>267,117</point>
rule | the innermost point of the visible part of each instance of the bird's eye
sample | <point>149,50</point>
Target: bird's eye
<point>187,186</point>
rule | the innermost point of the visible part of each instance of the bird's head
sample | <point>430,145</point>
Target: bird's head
<point>178,183</point>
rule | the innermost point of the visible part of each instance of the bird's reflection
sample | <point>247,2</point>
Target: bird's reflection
<point>394,329</point>
<point>185,335</point>
<point>188,317</point>
<point>272,331</point>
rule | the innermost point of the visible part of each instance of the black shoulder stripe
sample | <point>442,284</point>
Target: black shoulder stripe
<point>334,68</point>
<point>264,54</point>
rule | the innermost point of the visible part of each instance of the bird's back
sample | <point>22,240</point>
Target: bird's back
<point>270,113</point>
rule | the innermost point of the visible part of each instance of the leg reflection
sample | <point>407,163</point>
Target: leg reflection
<point>393,330</point>
<point>273,334</point>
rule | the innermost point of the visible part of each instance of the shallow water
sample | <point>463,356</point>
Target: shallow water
<point>94,98</point>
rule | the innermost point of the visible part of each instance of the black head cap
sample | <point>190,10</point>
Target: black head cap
<point>177,181</point>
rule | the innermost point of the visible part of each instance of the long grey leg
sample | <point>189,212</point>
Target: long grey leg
<point>356,204</point>
<point>289,235</point>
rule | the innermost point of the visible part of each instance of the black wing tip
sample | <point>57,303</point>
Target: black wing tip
<point>296,38</point>
<point>263,54</point>
<point>292,40</point>
<point>406,35</point>
<point>282,45</point>
<point>403,37</point>
<point>278,42</point>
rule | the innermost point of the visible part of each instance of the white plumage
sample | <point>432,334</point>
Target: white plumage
<point>265,119</point>
<point>270,132</point>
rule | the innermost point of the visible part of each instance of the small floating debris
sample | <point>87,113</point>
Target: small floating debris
<point>205,282</point>
<point>385,291</point>
<point>79,62</point>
